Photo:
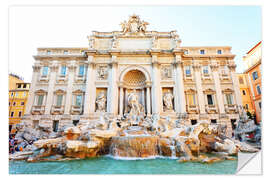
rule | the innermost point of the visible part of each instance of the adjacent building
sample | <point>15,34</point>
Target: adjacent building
<point>17,103</point>
<point>253,73</point>
<point>187,84</point>
<point>246,93</point>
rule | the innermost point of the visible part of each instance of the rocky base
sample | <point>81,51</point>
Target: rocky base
<point>185,143</point>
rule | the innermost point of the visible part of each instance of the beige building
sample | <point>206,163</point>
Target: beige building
<point>187,84</point>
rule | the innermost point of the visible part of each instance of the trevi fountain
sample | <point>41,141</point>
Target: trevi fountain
<point>147,136</point>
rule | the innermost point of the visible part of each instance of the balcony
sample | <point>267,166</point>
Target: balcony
<point>211,109</point>
<point>44,78</point>
<point>38,110</point>
<point>231,108</point>
<point>206,76</point>
<point>57,110</point>
<point>76,109</point>
<point>224,76</point>
<point>62,78</point>
<point>80,78</point>
<point>188,77</point>
<point>192,109</point>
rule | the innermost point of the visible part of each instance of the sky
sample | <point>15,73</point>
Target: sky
<point>31,27</point>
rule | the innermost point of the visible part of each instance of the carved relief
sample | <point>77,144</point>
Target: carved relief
<point>166,72</point>
<point>134,25</point>
<point>102,72</point>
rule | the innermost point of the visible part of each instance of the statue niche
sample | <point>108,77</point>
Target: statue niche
<point>101,102</point>
<point>168,101</point>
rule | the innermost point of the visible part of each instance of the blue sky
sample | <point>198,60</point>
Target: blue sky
<point>56,26</point>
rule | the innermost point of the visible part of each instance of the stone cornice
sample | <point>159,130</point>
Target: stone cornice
<point>59,57</point>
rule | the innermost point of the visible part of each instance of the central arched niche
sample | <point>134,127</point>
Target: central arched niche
<point>134,79</point>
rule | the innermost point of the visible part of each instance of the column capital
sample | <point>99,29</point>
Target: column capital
<point>36,68</point>
<point>54,68</point>
<point>232,67</point>
<point>71,67</point>
<point>214,67</point>
<point>196,67</point>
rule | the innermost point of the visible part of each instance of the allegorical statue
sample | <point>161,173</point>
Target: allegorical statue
<point>168,100</point>
<point>101,102</point>
<point>133,103</point>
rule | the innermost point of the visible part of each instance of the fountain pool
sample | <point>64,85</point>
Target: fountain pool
<point>110,165</point>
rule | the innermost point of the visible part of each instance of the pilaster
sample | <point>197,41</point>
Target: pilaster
<point>52,79</point>
<point>71,74</point>
<point>90,92</point>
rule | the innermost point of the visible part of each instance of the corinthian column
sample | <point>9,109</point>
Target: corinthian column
<point>198,80</point>
<point>49,103</point>
<point>71,74</point>
<point>180,94</point>
<point>113,89</point>
<point>156,89</point>
<point>121,98</point>
<point>148,100</point>
<point>31,95</point>
<point>90,92</point>
<point>220,101</point>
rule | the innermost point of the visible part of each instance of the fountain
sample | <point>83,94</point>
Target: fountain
<point>136,136</point>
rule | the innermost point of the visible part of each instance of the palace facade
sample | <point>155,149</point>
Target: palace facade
<point>187,84</point>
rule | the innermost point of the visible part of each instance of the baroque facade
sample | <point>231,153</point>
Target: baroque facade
<point>133,70</point>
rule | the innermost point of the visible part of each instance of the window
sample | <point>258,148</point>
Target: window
<point>19,86</point>
<point>81,70</point>
<point>224,70</point>
<point>24,86</point>
<point>20,113</point>
<point>191,99</point>
<point>233,122</point>
<point>193,121</point>
<point>24,94</point>
<point>255,75</point>
<point>12,94</point>
<point>210,99</point>
<point>49,52</point>
<point>205,70</point>
<point>244,92</point>
<point>45,71</point>
<point>22,103</point>
<point>78,100</point>
<point>14,103</point>
<point>16,95</point>
<point>186,52</point>
<point>63,70</point>
<point>202,51</point>
<point>246,106</point>
<point>65,52</point>
<point>35,123</point>
<point>213,121</point>
<point>8,103</point>
<point>11,114</point>
<point>75,122</point>
<point>55,126</point>
<point>258,89</point>
<point>59,100</point>
<point>82,52</point>
<point>188,70</point>
<point>40,100</point>
<point>260,105</point>
<point>219,51</point>
<point>229,98</point>
<point>241,80</point>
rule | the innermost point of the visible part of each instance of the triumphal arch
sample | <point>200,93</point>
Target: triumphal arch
<point>133,73</point>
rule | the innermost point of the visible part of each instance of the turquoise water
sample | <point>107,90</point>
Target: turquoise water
<point>108,165</point>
